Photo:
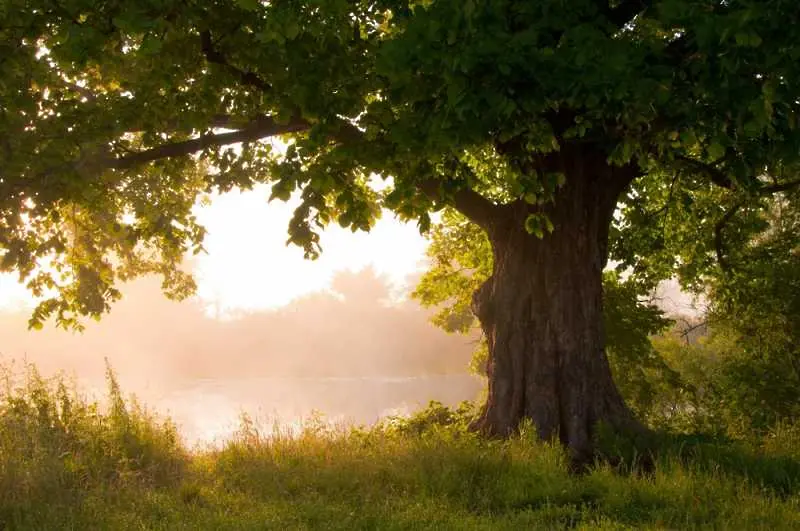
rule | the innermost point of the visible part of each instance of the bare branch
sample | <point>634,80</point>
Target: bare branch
<point>690,328</point>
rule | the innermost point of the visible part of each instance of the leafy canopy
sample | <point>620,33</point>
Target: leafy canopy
<point>116,118</point>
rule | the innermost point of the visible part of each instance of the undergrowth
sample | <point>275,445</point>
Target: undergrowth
<point>67,462</point>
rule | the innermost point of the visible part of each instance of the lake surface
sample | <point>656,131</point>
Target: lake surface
<point>208,411</point>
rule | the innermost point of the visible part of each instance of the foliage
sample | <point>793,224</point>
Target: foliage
<point>740,252</point>
<point>382,477</point>
<point>113,116</point>
<point>744,375</point>
<point>461,260</point>
<point>732,384</point>
<point>650,386</point>
<point>435,415</point>
<point>756,320</point>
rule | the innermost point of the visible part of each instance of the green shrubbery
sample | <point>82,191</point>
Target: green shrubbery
<point>56,446</point>
<point>734,380</point>
<point>68,463</point>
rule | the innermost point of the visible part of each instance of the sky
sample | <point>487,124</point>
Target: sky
<point>248,266</point>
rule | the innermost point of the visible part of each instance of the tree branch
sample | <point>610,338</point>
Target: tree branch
<point>259,128</point>
<point>778,188</point>
<point>719,241</point>
<point>467,201</point>
<point>715,174</point>
<point>214,56</point>
<point>83,92</point>
<point>687,331</point>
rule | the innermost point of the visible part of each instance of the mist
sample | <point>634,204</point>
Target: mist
<point>353,353</point>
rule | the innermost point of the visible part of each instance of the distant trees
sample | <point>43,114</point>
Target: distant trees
<point>319,335</point>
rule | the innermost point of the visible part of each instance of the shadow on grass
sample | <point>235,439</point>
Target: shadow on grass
<point>776,469</point>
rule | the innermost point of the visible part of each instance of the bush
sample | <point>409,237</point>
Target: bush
<point>55,445</point>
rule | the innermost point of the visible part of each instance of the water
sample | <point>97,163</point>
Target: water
<point>208,411</point>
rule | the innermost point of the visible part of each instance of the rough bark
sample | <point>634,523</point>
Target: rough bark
<point>541,312</point>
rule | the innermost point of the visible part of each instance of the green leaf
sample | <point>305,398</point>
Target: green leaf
<point>716,150</point>
<point>291,30</point>
<point>249,5</point>
<point>534,224</point>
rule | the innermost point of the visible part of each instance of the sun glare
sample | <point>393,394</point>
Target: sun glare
<point>249,267</point>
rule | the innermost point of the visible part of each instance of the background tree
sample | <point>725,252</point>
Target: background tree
<point>745,264</point>
<point>529,118</point>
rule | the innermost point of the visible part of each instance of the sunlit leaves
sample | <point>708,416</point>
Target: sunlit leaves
<point>538,224</point>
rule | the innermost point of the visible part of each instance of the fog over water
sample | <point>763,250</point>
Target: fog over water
<point>349,353</point>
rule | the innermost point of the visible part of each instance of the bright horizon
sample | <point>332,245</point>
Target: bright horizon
<point>248,266</point>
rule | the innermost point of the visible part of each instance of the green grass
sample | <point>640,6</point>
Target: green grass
<point>66,463</point>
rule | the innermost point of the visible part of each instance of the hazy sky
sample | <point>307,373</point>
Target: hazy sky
<point>249,267</point>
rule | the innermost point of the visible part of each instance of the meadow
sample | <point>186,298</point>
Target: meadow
<point>67,462</point>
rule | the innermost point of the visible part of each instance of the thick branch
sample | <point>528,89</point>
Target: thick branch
<point>621,178</point>
<point>778,188</point>
<point>259,128</point>
<point>717,176</point>
<point>468,202</point>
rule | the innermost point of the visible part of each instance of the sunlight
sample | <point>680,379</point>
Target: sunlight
<point>13,295</point>
<point>249,266</point>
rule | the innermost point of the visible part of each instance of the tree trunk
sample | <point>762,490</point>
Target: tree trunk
<point>541,312</point>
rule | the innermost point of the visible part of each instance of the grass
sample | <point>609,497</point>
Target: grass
<point>67,463</point>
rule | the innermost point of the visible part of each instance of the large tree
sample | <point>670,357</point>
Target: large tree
<point>531,119</point>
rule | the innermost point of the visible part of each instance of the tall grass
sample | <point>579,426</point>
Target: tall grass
<point>57,448</point>
<point>67,463</point>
